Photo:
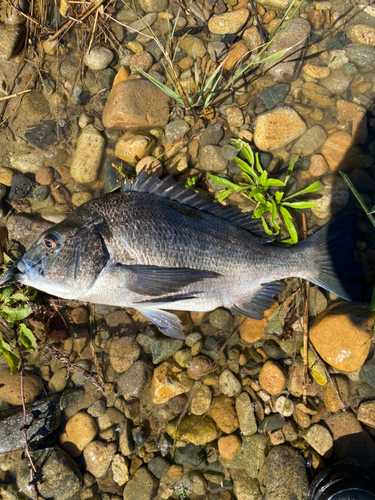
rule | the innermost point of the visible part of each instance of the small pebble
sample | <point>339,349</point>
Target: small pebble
<point>272,378</point>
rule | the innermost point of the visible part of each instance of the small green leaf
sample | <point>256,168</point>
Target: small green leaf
<point>278,196</point>
<point>27,337</point>
<point>289,224</point>
<point>13,360</point>
<point>224,194</point>
<point>274,214</point>
<point>313,188</point>
<point>7,259</point>
<point>246,168</point>
<point>258,166</point>
<point>18,297</point>
<point>292,162</point>
<point>274,182</point>
<point>263,178</point>
<point>274,57</point>
<point>224,182</point>
<point>299,204</point>
<point>7,292</point>
<point>15,314</point>
<point>262,207</point>
<point>267,230</point>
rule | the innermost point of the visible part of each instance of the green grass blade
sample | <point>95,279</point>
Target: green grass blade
<point>245,149</point>
<point>313,188</point>
<point>175,22</point>
<point>224,182</point>
<point>246,168</point>
<point>274,57</point>
<point>263,178</point>
<point>274,182</point>
<point>358,198</point>
<point>289,224</point>
<point>299,204</point>
<point>292,162</point>
<point>274,214</point>
<point>224,194</point>
<point>279,196</point>
<point>169,92</point>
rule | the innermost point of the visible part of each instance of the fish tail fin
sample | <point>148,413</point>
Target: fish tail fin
<point>331,253</point>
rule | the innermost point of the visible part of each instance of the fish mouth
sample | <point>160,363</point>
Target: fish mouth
<point>27,270</point>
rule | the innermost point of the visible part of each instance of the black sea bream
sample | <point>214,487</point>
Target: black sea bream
<point>158,246</point>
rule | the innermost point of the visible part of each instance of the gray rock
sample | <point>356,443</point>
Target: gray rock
<point>221,319</point>
<point>244,487</point>
<point>337,82</point>
<point>159,466</point>
<point>293,36</point>
<point>271,423</point>
<point>191,455</point>
<point>275,94</point>
<point>229,152</point>
<point>162,349</point>
<point>57,474</point>
<point>310,141</point>
<point>272,349</point>
<point>362,56</point>
<point>368,372</point>
<point>217,51</point>
<point>43,417</point>
<point>284,461</point>
<point>40,193</point>
<point>26,230</point>
<point>142,486</point>
<point>84,401</point>
<point>21,186</point>
<point>211,159</point>
<point>154,49</point>
<point>134,380</point>
<point>11,41</point>
<point>98,58</point>
<point>176,130</point>
<point>212,135</point>
<point>140,24</point>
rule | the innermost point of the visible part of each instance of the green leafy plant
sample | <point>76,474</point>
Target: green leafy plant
<point>14,308</point>
<point>190,182</point>
<point>257,187</point>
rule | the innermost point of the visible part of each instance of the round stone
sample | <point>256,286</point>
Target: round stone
<point>141,61</point>
<point>224,414</point>
<point>122,354</point>
<point>10,387</point>
<point>44,176</point>
<point>229,22</point>
<point>333,197</point>
<point>278,128</point>
<point>362,33</point>
<point>98,457</point>
<point>201,400</point>
<point>229,446</point>
<point>252,330</point>
<point>229,384</point>
<point>98,58</point>
<point>80,198</point>
<point>342,336</point>
<point>211,159</point>
<point>79,431</point>
<point>199,366</point>
<point>194,429</point>
<point>272,378</point>
<point>337,148</point>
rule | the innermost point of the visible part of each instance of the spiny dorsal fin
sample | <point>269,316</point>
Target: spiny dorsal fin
<point>168,188</point>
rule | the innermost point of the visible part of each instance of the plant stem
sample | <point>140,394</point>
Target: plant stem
<point>305,326</point>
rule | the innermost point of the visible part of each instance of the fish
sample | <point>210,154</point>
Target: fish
<point>157,246</point>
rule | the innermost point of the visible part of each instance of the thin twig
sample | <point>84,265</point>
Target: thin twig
<point>305,326</point>
<point>14,95</point>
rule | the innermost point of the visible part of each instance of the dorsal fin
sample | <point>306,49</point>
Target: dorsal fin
<point>147,182</point>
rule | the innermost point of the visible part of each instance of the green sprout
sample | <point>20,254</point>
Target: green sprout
<point>190,182</point>
<point>257,188</point>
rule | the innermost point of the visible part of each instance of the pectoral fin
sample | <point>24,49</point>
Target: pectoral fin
<point>167,322</point>
<point>155,281</point>
<point>263,299</point>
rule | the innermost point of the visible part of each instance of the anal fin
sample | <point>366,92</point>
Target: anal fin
<point>167,322</point>
<point>261,300</point>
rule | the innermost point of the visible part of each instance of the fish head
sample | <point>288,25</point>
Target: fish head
<point>67,259</point>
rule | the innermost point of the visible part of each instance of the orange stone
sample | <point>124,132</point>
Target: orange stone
<point>122,75</point>
<point>272,378</point>
<point>345,110</point>
<point>224,414</point>
<point>318,165</point>
<point>252,330</point>
<point>229,446</point>
<point>236,52</point>
<point>337,149</point>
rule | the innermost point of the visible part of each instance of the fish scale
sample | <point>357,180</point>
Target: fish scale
<point>158,246</point>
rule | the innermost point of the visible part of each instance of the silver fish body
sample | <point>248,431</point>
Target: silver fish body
<point>158,246</point>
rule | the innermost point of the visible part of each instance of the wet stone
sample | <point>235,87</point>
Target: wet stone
<point>10,389</point>
<point>366,413</point>
<point>228,383</point>
<point>11,41</point>
<point>191,455</point>
<point>212,135</point>
<point>79,432</point>
<point>192,44</point>
<point>158,466</point>
<point>26,163</point>
<point>228,23</point>
<point>271,423</point>
<point>43,417</point>
<point>123,354</point>
<point>284,461</point>
<point>201,401</point>
<point>21,187</point>
<point>135,379</point>
<point>199,366</point>
<point>337,82</point>
<point>272,349</point>
<point>251,455</point>
<point>221,319</point>
<point>224,414</point>
<point>320,439</point>
<point>162,349</point>
<point>246,416</point>
<point>97,409</point>
<point>229,446</point>
<point>244,487</point>
<point>98,457</point>
<point>272,378</point>
<point>333,198</point>
<point>211,159</point>
<point>194,429</point>
<point>35,104</point>
<point>61,476</point>
<point>120,469</point>
<point>368,372</point>
<point>310,141</point>
<point>275,94</point>
<point>87,157</point>
<point>98,58</point>
<point>175,130</point>
<point>362,56</point>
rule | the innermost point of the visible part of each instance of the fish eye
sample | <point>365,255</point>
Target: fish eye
<point>50,241</point>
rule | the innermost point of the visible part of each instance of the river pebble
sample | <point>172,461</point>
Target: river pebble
<point>332,198</point>
<point>320,439</point>
<point>310,141</point>
<point>120,469</point>
<point>246,416</point>
<point>123,354</point>
<point>133,147</point>
<point>224,414</point>
<point>229,384</point>
<point>135,105</point>
<point>10,388</point>
<point>275,129</point>
<point>142,486</point>
<point>98,457</point>
<point>98,58</point>
<point>201,400</point>
<point>167,384</point>
<point>229,446</point>
<point>79,431</point>
<point>230,22</point>
<point>194,429</point>
<point>135,379</point>
<point>342,341</point>
<point>87,157</point>
<point>272,378</point>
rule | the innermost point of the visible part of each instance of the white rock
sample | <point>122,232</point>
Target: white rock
<point>88,155</point>
<point>98,58</point>
<point>229,384</point>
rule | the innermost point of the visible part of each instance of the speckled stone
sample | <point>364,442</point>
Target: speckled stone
<point>229,22</point>
<point>87,157</point>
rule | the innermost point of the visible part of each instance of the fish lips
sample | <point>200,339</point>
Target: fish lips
<point>27,270</point>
